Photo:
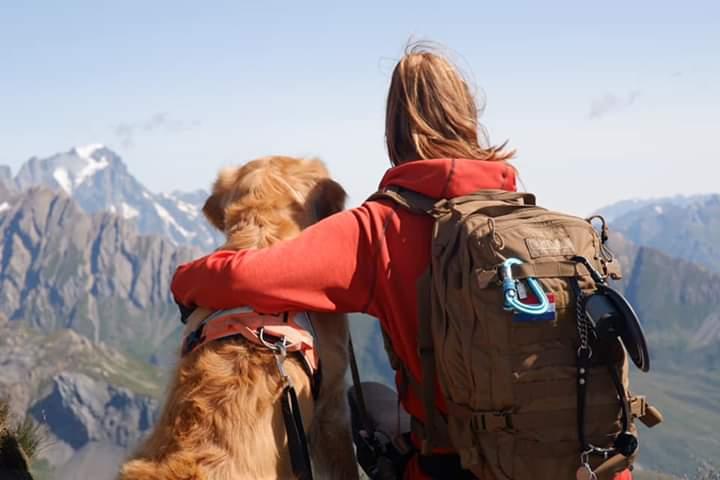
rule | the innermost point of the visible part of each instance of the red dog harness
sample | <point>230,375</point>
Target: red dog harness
<point>294,330</point>
<point>281,334</point>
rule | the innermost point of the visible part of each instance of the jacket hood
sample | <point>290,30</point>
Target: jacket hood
<point>451,177</point>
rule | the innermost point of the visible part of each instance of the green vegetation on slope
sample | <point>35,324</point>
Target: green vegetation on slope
<point>690,434</point>
<point>95,360</point>
<point>19,443</point>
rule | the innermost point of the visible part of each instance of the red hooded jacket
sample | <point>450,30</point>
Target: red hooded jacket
<point>362,260</point>
<point>367,259</point>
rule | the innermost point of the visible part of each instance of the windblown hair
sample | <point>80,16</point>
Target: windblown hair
<point>431,112</point>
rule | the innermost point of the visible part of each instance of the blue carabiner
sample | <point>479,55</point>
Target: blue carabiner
<point>510,291</point>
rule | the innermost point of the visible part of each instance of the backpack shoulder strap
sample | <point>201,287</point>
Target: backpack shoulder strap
<point>413,201</point>
<point>422,204</point>
<point>522,198</point>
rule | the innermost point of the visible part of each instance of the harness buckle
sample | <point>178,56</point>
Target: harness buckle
<point>193,339</point>
<point>279,349</point>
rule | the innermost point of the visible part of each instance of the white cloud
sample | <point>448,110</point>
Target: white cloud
<point>158,122</point>
<point>611,102</point>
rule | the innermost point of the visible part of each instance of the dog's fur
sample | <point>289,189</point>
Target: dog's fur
<point>222,417</point>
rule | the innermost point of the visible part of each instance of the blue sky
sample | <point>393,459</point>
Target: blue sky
<point>603,101</point>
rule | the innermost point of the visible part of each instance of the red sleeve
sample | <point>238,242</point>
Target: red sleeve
<point>329,267</point>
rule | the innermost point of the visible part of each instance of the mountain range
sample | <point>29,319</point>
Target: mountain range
<point>99,181</point>
<point>682,227</point>
<point>90,328</point>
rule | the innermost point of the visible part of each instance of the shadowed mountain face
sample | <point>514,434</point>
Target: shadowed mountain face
<point>678,303</point>
<point>62,268</point>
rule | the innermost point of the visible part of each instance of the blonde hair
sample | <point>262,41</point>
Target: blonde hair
<point>431,112</point>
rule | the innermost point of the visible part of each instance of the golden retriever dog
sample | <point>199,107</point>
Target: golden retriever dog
<point>222,416</point>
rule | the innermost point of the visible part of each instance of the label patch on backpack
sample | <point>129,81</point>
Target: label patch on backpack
<point>530,299</point>
<point>550,247</point>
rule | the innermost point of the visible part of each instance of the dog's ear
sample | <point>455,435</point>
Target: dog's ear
<point>214,208</point>
<point>214,212</point>
<point>327,198</point>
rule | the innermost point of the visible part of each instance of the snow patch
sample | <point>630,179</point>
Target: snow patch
<point>91,169</point>
<point>128,212</point>
<point>167,218</point>
<point>658,209</point>
<point>62,177</point>
<point>4,206</point>
<point>188,208</point>
<point>87,150</point>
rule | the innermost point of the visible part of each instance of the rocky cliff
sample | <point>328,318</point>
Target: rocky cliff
<point>94,274</point>
<point>87,396</point>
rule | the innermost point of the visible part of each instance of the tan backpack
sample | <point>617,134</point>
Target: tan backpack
<point>527,396</point>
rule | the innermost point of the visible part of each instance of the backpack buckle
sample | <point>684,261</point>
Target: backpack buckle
<point>496,421</point>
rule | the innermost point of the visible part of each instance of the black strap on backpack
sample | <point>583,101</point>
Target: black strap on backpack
<point>625,443</point>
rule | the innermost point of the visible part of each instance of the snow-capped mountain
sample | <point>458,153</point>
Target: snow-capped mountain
<point>682,227</point>
<point>619,209</point>
<point>98,180</point>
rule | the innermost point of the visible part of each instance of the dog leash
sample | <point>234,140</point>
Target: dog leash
<point>297,440</point>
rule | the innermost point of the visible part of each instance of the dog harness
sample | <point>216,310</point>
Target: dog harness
<point>290,332</point>
<point>295,329</point>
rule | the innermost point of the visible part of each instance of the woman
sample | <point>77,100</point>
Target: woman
<point>368,259</point>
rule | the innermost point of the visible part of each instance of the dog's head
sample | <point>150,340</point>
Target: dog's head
<point>271,199</point>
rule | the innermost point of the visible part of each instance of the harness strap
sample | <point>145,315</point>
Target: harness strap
<point>296,328</point>
<point>281,335</point>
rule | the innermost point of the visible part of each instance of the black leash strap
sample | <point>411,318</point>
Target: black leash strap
<point>297,441</point>
<point>292,416</point>
<point>362,406</point>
